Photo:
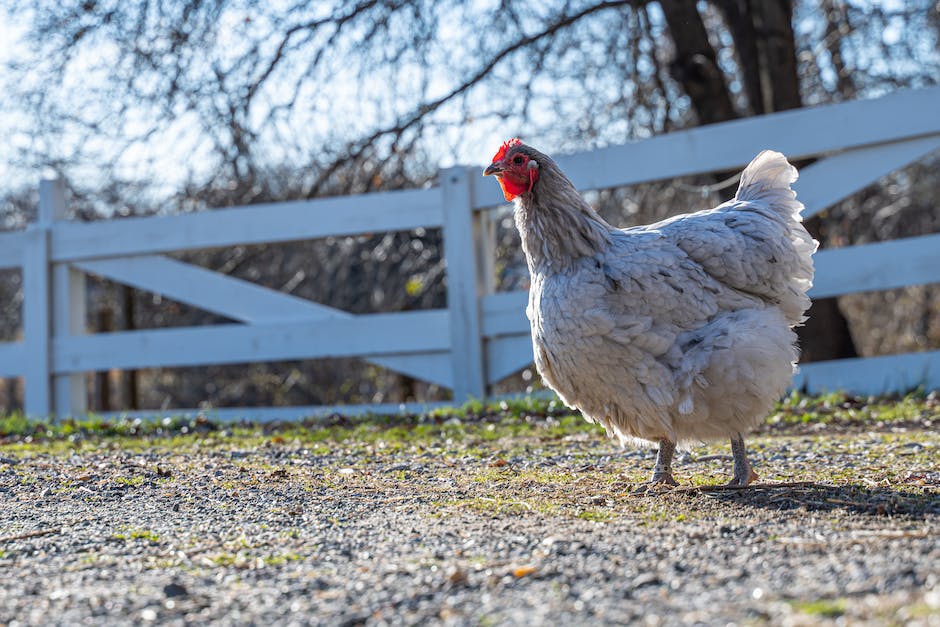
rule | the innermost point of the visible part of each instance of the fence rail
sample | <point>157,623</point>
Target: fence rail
<point>482,336</point>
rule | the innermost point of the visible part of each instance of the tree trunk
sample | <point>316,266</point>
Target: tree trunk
<point>695,66</point>
<point>736,16</point>
<point>826,333</point>
<point>837,19</point>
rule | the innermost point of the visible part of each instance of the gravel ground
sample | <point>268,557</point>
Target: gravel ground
<point>528,528</point>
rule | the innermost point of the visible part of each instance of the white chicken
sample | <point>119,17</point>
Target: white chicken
<point>671,333</point>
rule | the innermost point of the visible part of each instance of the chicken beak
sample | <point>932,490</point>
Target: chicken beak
<point>494,168</point>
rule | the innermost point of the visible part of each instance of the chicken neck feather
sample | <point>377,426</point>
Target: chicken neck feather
<point>555,223</point>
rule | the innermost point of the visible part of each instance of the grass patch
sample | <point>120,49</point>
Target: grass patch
<point>596,515</point>
<point>135,481</point>
<point>473,429</point>
<point>839,408</point>
<point>136,534</point>
<point>822,608</point>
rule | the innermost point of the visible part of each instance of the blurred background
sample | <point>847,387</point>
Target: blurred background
<point>162,107</point>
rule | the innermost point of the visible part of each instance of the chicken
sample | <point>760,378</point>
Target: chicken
<point>672,333</point>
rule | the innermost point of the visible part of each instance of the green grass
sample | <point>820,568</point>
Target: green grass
<point>136,534</point>
<point>473,427</point>
<point>822,608</point>
<point>842,408</point>
<point>596,515</point>
<point>135,481</point>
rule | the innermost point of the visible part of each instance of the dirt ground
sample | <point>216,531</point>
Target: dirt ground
<point>501,520</point>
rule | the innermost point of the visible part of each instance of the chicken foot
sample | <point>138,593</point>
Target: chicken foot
<point>743,471</point>
<point>662,471</point>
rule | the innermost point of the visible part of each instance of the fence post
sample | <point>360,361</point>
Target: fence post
<point>54,305</point>
<point>466,283</point>
<point>69,393</point>
<point>37,309</point>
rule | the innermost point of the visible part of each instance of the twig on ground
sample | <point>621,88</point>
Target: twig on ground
<point>30,534</point>
<point>753,486</point>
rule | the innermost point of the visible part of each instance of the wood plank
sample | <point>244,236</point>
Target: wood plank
<point>68,302</point>
<point>12,247</point>
<point>872,375</point>
<point>37,323</point>
<point>877,266</point>
<point>363,336</point>
<point>462,232</point>
<point>506,355</point>
<point>835,178</point>
<point>242,301</point>
<point>726,146</point>
<point>504,313</point>
<point>211,291</point>
<point>69,392</point>
<point>12,359</point>
<point>431,367</point>
<point>870,267</point>
<point>302,412</point>
<point>279,414</point>
<point>257,224</point>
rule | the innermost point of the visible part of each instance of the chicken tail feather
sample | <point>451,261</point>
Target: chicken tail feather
<point>767,180</point>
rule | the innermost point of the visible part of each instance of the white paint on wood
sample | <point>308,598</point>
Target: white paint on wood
<point>507,355</point>
<point>464,284</point>
<point>37,326</point>
<point>280,222</point>
<point>211,291</point>
<point>872,375</point>
<point>12,359</point>
<point>731,145</point>
<point>834,178</point>
<point>70,396</point>
<point>243,301</point>
<point>365,335</point>
<point>504,314</point>
<point>878,266</point>
<point>315,413</point>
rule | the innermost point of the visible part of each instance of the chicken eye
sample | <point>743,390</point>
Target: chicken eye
<point>518,160</point>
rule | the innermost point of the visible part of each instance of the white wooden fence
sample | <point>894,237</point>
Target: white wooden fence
<point>482,336</point>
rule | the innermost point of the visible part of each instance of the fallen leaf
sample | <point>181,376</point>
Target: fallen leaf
<point>523,571</point>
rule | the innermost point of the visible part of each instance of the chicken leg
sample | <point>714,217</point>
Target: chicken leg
<point>662,471</point>
<point>743,471</point>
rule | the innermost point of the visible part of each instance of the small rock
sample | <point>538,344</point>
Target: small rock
<point>174,589</point>
<point>646,579</point>
<point>457,577</point>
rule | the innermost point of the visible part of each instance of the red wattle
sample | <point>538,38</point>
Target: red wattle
<point>513,188</point>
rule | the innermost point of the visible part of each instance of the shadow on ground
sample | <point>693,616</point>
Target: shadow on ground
<point>911,501</point>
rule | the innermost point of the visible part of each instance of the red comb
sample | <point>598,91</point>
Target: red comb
<point>505,148</point>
